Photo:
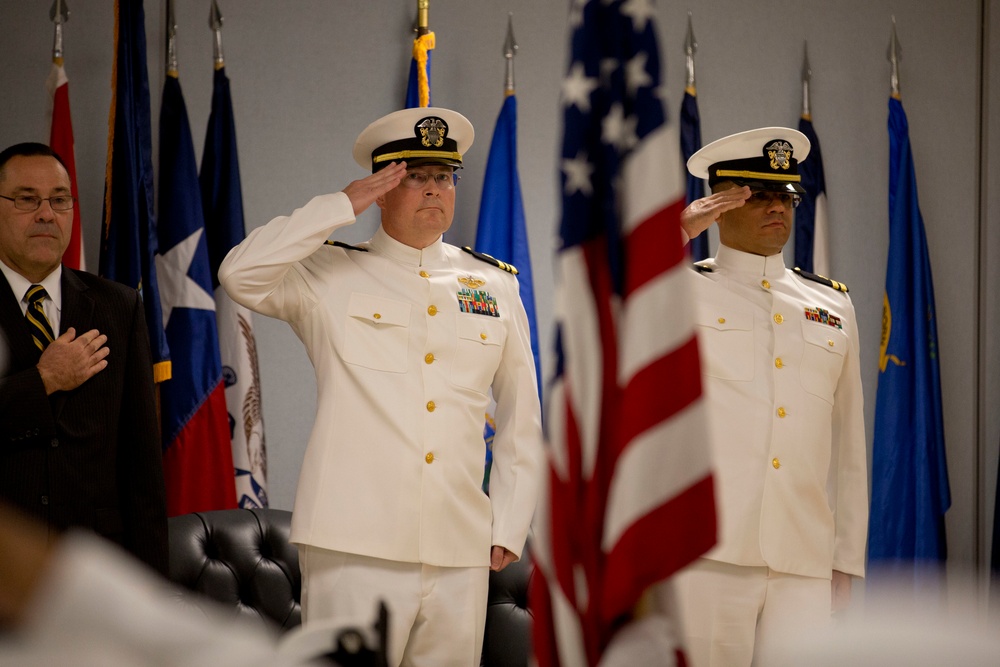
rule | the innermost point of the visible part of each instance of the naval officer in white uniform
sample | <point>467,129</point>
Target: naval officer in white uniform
<point>782,379</point>
<point>409,337</point>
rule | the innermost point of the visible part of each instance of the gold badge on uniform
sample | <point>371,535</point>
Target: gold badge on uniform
<point>823,316</point>
<point>477,302</point>
<point>471,282</point>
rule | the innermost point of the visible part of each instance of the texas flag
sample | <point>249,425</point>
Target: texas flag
<point>197,457</point>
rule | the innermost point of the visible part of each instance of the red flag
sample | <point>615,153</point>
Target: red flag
<point>629,497</point>
<point>61,141</point>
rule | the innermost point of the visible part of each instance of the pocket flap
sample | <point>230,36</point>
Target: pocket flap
<point>825,337</point>
<point>378,310</point>
<point>480,329</point>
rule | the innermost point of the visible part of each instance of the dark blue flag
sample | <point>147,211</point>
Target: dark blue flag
<point>690,143</point>
<point>811,246</point>
<point>197,458</point>
<point>910,493</point>
<point>128,239</point>
<point>222,199</point>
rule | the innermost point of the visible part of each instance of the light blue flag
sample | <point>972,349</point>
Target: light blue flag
<point>910,493</point>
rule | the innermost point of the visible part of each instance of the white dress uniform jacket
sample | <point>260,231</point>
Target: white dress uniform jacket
<point>783,383</point>
<point>404,370</point>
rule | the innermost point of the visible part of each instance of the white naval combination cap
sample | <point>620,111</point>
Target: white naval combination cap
<point>765,159</point>
<point>425,135</point>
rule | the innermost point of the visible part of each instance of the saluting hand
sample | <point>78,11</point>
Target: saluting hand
<point>71,360</point>
<point>365,191</point>
<point>701,213</point>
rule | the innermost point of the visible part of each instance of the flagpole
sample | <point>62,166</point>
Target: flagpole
<point>690,123</point>
<point>418,90</point>
<point>59,14</point>
<point>895,55</point>
<point>171,40</point>
<point>509,51</point>
<point>806,79</point>
<point>690,47</point>
<point>423,18</point>
<point>215,23</point>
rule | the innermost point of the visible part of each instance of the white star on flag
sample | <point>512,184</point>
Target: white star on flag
<point>640,11</point>
<point>636,76</point>
<point>577,87</point>
<point>578,171</point>
<point>177,290</point>
<point>618,130</point>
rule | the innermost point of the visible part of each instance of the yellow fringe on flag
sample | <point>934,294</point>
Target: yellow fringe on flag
<point>421,45</point>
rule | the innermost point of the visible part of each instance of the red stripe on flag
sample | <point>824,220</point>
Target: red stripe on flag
<point>651,398</point>
<point>198,464</point>
<point>654,246</point>
<point>684,530</point>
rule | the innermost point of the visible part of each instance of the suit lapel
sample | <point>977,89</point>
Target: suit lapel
<point>22,347</point>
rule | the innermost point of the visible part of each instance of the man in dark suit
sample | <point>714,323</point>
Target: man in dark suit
<point>79,437</point>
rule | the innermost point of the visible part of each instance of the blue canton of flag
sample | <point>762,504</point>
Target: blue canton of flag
<point>690,143</point>
<point>129,242</point>
<point>910,492</point>
<point>812,251</point>
<point>627,465</point>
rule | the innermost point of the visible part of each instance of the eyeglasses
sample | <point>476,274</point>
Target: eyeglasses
<point>32,203</point>
<point>765,197</point>
<point>446,180</point>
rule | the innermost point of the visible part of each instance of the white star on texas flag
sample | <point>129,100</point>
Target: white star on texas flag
<point>177,290</point>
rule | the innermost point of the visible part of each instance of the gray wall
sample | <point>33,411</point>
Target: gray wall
<point>308,76</point>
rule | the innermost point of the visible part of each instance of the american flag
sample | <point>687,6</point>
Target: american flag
<point>629,495</point>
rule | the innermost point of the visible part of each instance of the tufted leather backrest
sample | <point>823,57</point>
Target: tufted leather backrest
<point>243,559</point>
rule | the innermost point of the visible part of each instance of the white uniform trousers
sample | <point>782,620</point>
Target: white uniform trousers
<point>734,615</point>
<point>436,614</point>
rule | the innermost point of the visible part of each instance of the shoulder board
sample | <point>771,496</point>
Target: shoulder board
<point>822,280</point>
<point>340,244</point>
<point>510,268</point>
<point>702,268</point>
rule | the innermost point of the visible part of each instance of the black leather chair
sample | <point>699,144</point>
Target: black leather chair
<point>243,559</point>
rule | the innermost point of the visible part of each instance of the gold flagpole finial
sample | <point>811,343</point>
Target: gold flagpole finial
<point>509,51</point>
<point>895,55</point>
<point>423,17</point>
<point>690,47</point>
<point>59,14</point>
<point>806,79</point>
<point>215,23</point>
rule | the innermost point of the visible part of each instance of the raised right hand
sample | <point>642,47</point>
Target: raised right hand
<point>701,213</point>
<point>365,191</point>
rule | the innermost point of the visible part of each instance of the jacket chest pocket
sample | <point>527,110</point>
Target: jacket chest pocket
<point>822,359</point>
<point>478,348</point>
<point>726,344</point>
<point>376,334</point>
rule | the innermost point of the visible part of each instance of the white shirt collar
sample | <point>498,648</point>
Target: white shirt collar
<point>738,261</point>
<point>19,285</point>
<point>404,254</point>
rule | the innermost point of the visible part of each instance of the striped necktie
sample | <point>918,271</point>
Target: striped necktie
<point>38,323</point>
